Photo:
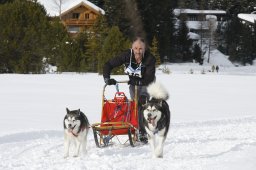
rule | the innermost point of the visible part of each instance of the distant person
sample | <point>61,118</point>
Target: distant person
<point>213,68</point>
<point>217,68</point>
<point>140,67</point>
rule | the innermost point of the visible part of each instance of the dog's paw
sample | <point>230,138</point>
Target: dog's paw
<point>158,154</point>
<point>155,156</point>
<point>65,156</point>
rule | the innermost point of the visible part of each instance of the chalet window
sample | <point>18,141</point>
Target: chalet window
<point>73,29</point>
<point>87,16</point>
<point>75,15</point>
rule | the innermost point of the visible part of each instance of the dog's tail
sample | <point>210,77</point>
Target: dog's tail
<point>157,91</point>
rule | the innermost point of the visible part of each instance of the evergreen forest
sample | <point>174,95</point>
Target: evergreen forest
<point>30,39</point>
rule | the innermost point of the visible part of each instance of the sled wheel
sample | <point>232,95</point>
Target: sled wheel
<point>131,137</point>
<point>96,136</point>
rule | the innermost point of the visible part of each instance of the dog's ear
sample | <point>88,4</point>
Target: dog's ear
<point>67,110</point>
<point>157,101</point>
<point>160,102</point>
<point>79,111</point>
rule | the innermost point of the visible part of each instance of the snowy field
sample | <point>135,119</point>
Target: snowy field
<point>213,123</point>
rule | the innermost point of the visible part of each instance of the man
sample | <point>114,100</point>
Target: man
<point>140,67</point>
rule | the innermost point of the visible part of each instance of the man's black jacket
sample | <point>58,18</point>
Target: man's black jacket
<point>147,68</point>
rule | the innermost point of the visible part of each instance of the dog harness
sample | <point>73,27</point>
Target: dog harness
<point>76,135</point>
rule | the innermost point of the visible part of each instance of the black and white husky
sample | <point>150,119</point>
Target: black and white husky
<point>156,118</point>
<point>76,126</point>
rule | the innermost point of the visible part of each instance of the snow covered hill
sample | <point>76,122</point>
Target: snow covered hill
<point>213,124</point>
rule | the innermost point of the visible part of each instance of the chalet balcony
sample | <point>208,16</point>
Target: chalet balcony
<point>79,22</point>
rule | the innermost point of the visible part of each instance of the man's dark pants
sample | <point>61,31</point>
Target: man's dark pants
<point>142,97</point>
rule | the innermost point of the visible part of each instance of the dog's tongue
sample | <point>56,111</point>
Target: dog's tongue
<point>152,121</point>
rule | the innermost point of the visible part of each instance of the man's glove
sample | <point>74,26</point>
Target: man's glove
<point>143,99</point>
<point>110,81</point>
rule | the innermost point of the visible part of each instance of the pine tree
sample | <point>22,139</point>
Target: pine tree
<point>114,44</point>
<point>57,44</point>
<point>157,18</point>
<point>93,48</point>
<point>154,51</point>
<point>99,3</point>
<point>254,41</point>
<point>5,1</point>
<point>246,45</point>
<point>232,37</point>
<point>82,40</point>
<point>96,37</point>
<point>71,58</point>
<point>23,36</point>
<point>116,15</point>
<point>197,54</point>
<point>183,43</point>
<point>191,4</point>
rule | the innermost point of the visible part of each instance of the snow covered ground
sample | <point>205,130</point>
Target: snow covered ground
<point>213,124</point>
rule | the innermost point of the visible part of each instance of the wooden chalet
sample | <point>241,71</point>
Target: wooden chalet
<point>80,17</point>
<point>76,15</point>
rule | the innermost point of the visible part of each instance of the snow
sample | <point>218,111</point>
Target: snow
<point>217,58</point>
<point>208,17</point>
<point>247,17</point>
<point>53,10</point>
<point>194,11</point>
<point>193,36</point>
<point>197,25</point>
<point>213,122</point>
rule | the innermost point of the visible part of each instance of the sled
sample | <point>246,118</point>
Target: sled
<point>119,117</point>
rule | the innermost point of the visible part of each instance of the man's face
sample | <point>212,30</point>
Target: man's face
<point>138,48</point>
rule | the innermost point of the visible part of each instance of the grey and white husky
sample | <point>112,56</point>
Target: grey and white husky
<point>76,126</point>
<point>156,118</point>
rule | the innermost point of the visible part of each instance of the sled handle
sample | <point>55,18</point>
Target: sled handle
<point>117,89</point>
<point>136,100</point>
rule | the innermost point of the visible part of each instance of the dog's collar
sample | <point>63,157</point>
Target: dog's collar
<point>76,135</point>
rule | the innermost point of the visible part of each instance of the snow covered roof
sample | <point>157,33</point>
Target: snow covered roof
<point>52,8</point>
<point>208,17</point>
<point>197,25</point>
<point>193,36</point>
<point>195,11</point>
<point>248,17</point>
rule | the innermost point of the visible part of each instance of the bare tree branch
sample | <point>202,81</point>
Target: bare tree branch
<point>59,4</point>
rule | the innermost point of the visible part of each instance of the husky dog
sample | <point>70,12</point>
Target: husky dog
<point>76,126</point>
<point>156,118</point>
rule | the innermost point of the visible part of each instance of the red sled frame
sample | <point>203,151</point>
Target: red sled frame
<point>119,117</point>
